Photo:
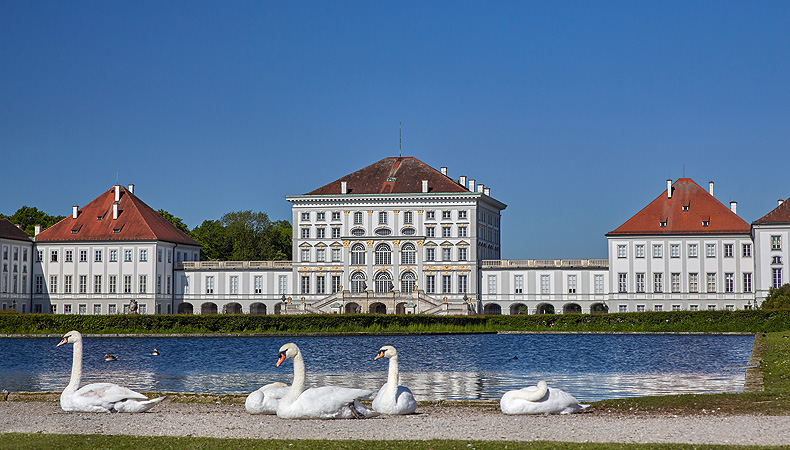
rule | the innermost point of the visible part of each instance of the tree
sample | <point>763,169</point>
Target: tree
<point>174,220</point>
<point>777,298</point>
<point>29,216</point>
<point>246,230</point>
<point>216,245</point>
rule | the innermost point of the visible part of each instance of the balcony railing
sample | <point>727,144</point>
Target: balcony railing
<point>233,265</point>
<point>546,263</point>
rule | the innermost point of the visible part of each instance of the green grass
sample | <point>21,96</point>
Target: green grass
<point>14,441</point>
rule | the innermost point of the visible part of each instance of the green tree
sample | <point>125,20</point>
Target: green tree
<point>29,216</point>
<point>777,298</point>
<point>174,220</point>
<point>216,245</point>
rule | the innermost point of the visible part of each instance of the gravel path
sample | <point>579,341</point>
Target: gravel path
<point>434,422</point>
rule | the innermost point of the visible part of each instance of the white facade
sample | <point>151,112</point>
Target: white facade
<point>15,277</point>
<point>771,244</point>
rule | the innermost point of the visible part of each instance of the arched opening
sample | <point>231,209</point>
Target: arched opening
<point>400,308</point>
<point>278,308</point>
<point>257,309</point>
<point>353,308</point>
<point>358,255</point>
<point>383,282</point>
<point>358,284</point>
<point>378,308</point>
<point>408,254</point>
<point>545,308</point>
<point>383,255</point>
<point>231,308</point>
<point>518,309</point>
<point>208,308</point>
<point>185,308</point>
<point>572,308</point>
<point>599,308</point>
<point>492,309</point>
<point>407,282</point>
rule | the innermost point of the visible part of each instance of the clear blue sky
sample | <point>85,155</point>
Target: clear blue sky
<point>574,113</point>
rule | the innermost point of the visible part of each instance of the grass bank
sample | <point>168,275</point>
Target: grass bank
<point>670,321</point>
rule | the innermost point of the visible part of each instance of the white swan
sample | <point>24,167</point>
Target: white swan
<point>539,400</point>
<point>326,402</point>
<point>266,399</point>
<point>98,397</point>
<point>392,398</point>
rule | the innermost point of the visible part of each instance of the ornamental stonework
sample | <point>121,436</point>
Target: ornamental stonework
<point>419,243</point>
<point>370,243</point>
<point>396,243</point>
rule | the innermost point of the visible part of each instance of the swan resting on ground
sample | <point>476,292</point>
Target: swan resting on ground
<point>98,397</point>
<point>539,400</point>
<point>392,398</point>
<point>266,399</point>
<point>326,402</point>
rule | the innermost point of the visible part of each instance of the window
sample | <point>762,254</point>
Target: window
<point>112,309</point>
<point>53,256</point>
<point>83,284</point>
<point>358,218</point>
<point>462,231</point>
<point>430,254</point>
<point>447,284</point>
<point>462,284</point>
<point>747,282</point>
<point>674,250</point>
<point>320,216</point>
<point>492,284</point>
<point>461,215</point>
<point>693,282</point>
<point>83,256</point>
<point>335,283</point>
<point>776,260</point>
<point>97,284</point>
<point>159,284</point>
<point>408,217</point>
<point>67,284</point>
<point>446,215</point>
<point>408,254</point>
<point>127,256</point>
<point>143,284</point>
<point>335,215</point>
<point>640,308</point>
<point>305,285</point>
<point>383,254</point>
<point>335,232</point>
<point>320,284</point>
<point>747,250</point>
<point>283,283</point>
<point>159,255</point>
<point>658,307</point>
<point>711,281</point>
<point>662,224</point>
<point>357,255</point>
<point>710,250</point>
<point>306,233</point>
<point>658,282</point>
<point>640,282</point>
<point>729,282</point>
<point>571,284</point>
<point>776,242</point>
<point>258,284</point>
<point>598,284</point>
<point>39,284</point>
<point>113,255</point>
<point>446,231</point>
<point>358,232</point>
<point>640,251</point>
<point>320,255</point>
<point>430,232</point>
<point>111,284</point>
<point>621,251</point>
<point>383,232</point>
<point>53,284</point>
<point>728,250</point>
<point>544,284</point>
<point>430,215</point>
<point>335,254</point>
<point>776,277</point>
<point>306,216</point>
<point>462,254</point>
<point>675,280</point>
<point>658,251</point>
<point>430,284</point>
<point>39,255</point>
<point>68,256</point>
<point>622,285</point>
<point>233,284</point>
<point>622,308</point>
<point>66,309</point>
<point>24,254</point>
<point>383,217</point>
<point>711,307</point>
<point>692,250</point>
<point>518,284</point>
<point>358,284</point>
<point>168,285</point>
<point>446,254</point>
<point>705,223</point>
<point>169,256</point>
<point>305,255</point>
<point>320,232</point>
<point>209,285</point>
<point>675,307</point>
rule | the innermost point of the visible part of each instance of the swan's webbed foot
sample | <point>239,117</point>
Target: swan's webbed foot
<point>355,412</point>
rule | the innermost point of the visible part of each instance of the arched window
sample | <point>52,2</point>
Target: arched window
<point>358,284</point>
<point>383,282</point>
<point>357,255</point>
<point>358,232</point>
<point>407,281</point>
<point>408,254</point>
<point>383,255</point>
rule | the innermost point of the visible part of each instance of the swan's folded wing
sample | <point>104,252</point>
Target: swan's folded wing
<point>107,393</point>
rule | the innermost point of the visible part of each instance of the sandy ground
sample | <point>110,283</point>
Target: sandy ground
<point>433,422</point>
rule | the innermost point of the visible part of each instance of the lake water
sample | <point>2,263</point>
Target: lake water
<point>591,367</point>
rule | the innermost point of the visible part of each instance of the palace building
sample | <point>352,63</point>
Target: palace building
<point>396,237</point>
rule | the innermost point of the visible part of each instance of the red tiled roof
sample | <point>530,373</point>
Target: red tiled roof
<point>10,231</point>
<point>136,222</point>
<point>394,175</point>
<point>702,207</point>
<point>780,214</point>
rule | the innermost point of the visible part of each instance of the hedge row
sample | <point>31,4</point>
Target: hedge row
<point>669,321</point>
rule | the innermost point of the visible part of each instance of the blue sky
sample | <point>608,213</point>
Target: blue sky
<point>574,113</point>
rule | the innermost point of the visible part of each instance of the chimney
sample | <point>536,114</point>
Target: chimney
<point>75,211</point>
<point>780,202</point>
<point>710,187</point>
<point>424,186</point>
<point>462,180</point>
<point>344,187</point>
<point>444,171</point>
<point>669,188</point>
<point>114,211</point>
<point>487,191</point>
<point>131,188</point>
<point>734,207</point>
<point>117,192</point>
<point>480,188</point>
<point>37,229</point>
<point>472,186</point>
<point>19,225</point>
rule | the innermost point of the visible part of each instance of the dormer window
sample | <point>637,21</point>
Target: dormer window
<point>663,224</point>
<point>98,217</point>
<point>705,223</point>
<point>685,208</point>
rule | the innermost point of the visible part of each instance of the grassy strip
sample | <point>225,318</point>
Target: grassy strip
<point>669,321</point>
<point>17,441</point>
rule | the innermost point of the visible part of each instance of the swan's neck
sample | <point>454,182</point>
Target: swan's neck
<point>392,378</point>
<point>76,368</point>
<point>297,386</point>
<point>537,394</point>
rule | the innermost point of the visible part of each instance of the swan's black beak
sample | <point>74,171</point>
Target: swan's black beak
<point>380,355</point>
<point>280,359</point>
<point>65,340</point>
